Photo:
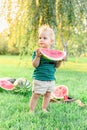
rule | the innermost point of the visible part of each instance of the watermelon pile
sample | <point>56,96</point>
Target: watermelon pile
<point>60,92</point>
<point>17,85</point>
<point>54,55</point>
<point>6,84</point>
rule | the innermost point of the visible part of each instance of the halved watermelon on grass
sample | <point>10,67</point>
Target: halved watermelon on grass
<point>54,55</point>
<point>6,85</point>
<point>60,92</point>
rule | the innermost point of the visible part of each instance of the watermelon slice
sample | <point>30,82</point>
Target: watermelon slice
<point>54,55</point>
<point>60,92</point>
<point>6,85</point>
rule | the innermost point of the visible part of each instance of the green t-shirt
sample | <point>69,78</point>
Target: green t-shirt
<point>46,69</point>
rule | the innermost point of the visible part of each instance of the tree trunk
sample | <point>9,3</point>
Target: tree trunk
<point>65,47</point>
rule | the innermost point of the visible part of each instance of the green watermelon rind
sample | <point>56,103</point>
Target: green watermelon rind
<point>53,59</point>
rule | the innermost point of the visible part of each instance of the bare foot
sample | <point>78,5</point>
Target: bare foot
<point>31,112</point>
<point>45,111</point>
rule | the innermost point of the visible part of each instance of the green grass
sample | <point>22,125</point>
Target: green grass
<point>14,107</point>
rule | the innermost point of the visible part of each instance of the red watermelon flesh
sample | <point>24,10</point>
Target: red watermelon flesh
<point>6,85</point>
<point>60,92</point>
<point>54,55</point>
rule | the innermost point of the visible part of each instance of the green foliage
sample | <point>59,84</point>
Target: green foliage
<point>3,48</point>
<point>78,47</point>
<point>63,16</point>
<point>66,17</point>
<point>13,50</point>
<point>47,10</point>
<point>66,12</point>
<point>3,45</point>
<point>39,12</point>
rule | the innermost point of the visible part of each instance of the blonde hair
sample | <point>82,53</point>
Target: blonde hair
<point>48,29</point>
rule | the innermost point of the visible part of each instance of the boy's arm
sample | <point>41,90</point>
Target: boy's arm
<point>36,60</point>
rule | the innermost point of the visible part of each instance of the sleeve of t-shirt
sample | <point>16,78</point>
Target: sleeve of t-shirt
<point>33,55</point>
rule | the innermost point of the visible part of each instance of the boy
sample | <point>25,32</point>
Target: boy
<point>44,72</point>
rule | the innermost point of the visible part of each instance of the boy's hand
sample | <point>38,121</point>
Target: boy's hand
<point>36,60</point>
<point>38,54</point>
<point>58,63</point>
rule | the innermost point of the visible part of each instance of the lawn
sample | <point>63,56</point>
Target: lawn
<point>14,107</point>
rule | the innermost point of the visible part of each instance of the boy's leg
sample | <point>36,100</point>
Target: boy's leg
<point>33,101</point>
<point>46,100</point>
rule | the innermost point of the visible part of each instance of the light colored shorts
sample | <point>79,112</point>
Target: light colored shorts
<point>41,87</point>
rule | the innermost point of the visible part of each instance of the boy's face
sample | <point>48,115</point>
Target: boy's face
<point>45,40</point>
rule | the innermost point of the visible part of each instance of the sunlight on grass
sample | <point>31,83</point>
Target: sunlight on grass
<point>75,66</point>
<point>71,64</point>
<point>16,61</point>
